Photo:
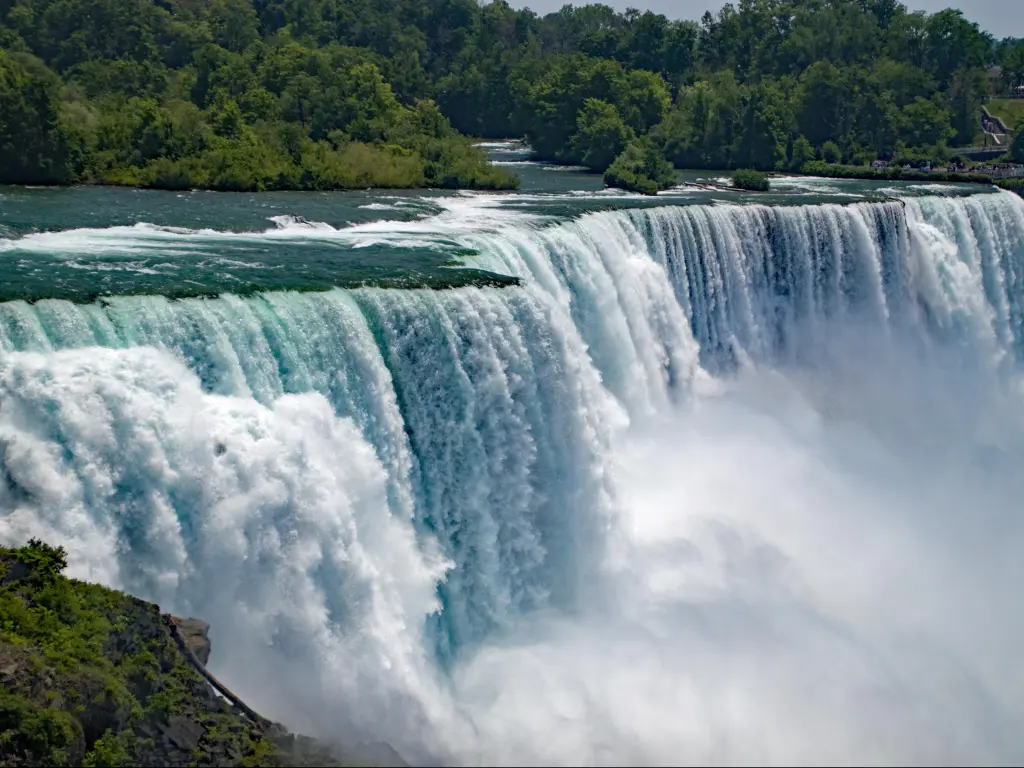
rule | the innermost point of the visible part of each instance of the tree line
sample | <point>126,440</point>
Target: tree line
<point>253,94</point>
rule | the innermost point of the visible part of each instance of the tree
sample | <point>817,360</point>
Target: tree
<point>234,23</point>
<point>824,102</point>
<point>968,88</point>
<point>831,153</point>
<point>802,152</point>
<point>751,180</point>
<point>600,135</point>
<point>764,126</point>
<point>34,146</point>
<point>45,563</point>
<point>641,168</point>
<point>134,91</point>
<point>1017,147</point>
<point>925,124</point>
<point>953,44</point>
<point>548,104</point>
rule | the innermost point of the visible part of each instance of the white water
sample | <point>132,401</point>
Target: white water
<point>810,556</point>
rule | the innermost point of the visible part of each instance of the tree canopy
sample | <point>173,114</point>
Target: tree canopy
<point>254,94</point>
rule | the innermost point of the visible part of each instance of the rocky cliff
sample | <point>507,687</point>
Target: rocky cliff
<point>93,677</point>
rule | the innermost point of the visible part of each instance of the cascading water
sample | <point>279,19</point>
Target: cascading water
<point>492,524</point>
<point>772,283</point>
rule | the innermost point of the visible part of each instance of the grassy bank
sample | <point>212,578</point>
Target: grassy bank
<point>1010,111</point>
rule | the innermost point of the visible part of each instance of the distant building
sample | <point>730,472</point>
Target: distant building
<point>1001,83</point>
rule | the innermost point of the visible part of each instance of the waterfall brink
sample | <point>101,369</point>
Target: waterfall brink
<point>367,492</point>
<point>773,283</point>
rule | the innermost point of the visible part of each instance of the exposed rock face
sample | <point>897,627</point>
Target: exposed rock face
<point>90,675</point>
<point>194,633</point>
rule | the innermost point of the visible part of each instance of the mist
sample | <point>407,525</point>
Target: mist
<point>792,580</point>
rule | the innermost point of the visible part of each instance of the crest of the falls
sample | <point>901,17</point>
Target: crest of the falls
<point>774,283</point>
<point>368,491</point>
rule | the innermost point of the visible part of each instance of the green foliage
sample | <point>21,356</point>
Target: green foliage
<point>640,168</point>
<point>830,153</point>
<point>275,94</point>
<point>600,136</point>
<point>801,153</point>
<point>1017,147</point>
<point>109,751</point>
<point>869,77</point>
<point>550,101</point>
<point>926,124</point>
<point>45,563</point>
<point>1014,185</point>
<point>750,179</point>
<point>893,173</point>
<point>48,734</point>
<point>34,142</point>
<point>183,96</point>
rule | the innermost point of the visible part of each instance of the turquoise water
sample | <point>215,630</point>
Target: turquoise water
<point>82,244</point>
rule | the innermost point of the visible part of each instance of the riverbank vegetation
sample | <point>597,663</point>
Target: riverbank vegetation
<point>294,118</point>
<point>748,179</point>
<point>640,168</point>
<point>326,94</point>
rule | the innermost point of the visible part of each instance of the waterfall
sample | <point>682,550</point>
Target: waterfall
<point>772,283</point>
<point>361,488</point>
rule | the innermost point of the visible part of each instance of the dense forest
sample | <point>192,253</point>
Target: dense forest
<point>260,94</point>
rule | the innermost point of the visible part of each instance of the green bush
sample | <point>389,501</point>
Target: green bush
<point>1017,147</point>
<point>44,562</point>
<point>831,153</point>
<point>750,179</point>
<point>252,165</point>
<point>97,91</point>
<point>1014,185</point>
<point>641,168</point>
<point>49,734</point>
<point>802,152</point>
<point>600,136</point>
<point>892,173</point>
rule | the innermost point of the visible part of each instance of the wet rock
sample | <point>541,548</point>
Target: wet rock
<point>182,732</point>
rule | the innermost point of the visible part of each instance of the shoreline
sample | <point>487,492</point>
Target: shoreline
<point>1011,183</point>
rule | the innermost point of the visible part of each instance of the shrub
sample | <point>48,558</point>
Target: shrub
<point>801,153</point>
<point>641,168</point>
<point>1017,147</point>
<point>44,562</point>
<point>750,179</point>
<point>830,153</point>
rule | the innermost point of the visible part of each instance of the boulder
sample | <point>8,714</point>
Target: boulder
<point>195,634</point>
